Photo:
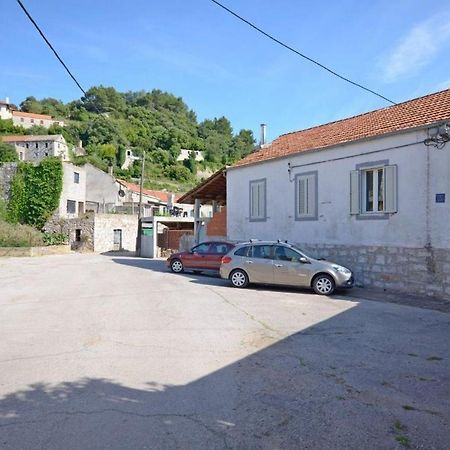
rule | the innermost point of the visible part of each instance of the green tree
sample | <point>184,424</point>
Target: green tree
<point>7,127</point>
<point>7,153</point>
<point>191,163</point>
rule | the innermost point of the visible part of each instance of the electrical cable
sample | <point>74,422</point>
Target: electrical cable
<point>322,66</point>
<point>50,45</point>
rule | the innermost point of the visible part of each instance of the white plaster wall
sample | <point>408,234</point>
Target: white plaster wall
<point>104,227</point>
<point>28,122</point>
<point>71,190</point>
<point>439,213</point>
<point>5,113</point>
<point>335,225</point>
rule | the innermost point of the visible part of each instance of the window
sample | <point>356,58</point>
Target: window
<point>46,145</point>
<point>306,200</point>
<point>42,122</point>
<point>36,145</point>
<point>286,254</point>
<point>21,119</point>
<point>71,207</point>
<point>219,248</point>
<point>243,251</point>
<point>27,145</point>
<point>373,189</point>
<point>202,248</point>
<point>32,120</point>
<point>258,200</point>
<point>261,251</point>
<point>21,156</point>
<point>76,178</point>
<point>78,235</point>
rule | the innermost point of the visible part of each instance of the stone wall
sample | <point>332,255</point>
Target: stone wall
<point>69,228</point>
<point>422,271</point>
<point>105,224</point>
<point>7,172</point>
<point>34,251</point>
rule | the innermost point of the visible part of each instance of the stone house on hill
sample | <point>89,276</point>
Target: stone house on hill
<point>36,148</point>
<point>370,192</point>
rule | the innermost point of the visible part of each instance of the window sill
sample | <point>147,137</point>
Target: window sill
<point>374,216</point>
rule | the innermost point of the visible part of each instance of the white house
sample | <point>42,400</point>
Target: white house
<point>25,119</point>
<point>72,201</point>
<point>184,154</point>
<point>371,192</point>
<point>36,148</point>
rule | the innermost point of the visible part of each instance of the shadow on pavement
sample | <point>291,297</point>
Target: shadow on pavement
<point>211,278</point>
<point>339,384</point>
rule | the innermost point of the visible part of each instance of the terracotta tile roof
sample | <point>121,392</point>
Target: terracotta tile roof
<point>31,138</point>
<point>162,196</point>
<point>421,111</point>
<point>31,115</point>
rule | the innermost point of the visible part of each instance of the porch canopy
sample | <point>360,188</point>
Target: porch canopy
<point>212,189</point>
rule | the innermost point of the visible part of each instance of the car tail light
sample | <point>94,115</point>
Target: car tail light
<point>226,260</point>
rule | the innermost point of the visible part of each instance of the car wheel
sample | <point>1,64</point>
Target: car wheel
<point>323,284</point>
<point>177,266</point>
<point>239,278</point>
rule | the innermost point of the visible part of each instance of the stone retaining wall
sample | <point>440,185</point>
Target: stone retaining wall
<point>34,251</point>
<point>422,271</point>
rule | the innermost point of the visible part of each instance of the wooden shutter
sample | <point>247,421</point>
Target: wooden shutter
<point>354,192</point>
<point>390,189</point>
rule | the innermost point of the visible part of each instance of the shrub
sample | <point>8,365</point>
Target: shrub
<point>54,238</point>
<point>15,235</point>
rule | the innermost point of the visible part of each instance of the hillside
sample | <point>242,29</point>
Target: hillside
<point>158,123</point>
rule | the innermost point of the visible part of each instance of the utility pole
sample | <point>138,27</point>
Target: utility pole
<point>141,184</point>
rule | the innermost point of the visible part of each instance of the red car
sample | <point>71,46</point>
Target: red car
<point>203,257</point>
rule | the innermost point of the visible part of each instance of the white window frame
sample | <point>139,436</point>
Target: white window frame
<point>358,190</point>
<point>258,200</point>
<point>306,196</point>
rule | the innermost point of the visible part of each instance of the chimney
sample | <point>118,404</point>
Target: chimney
<point>262,141</point>
<point>7,100</point>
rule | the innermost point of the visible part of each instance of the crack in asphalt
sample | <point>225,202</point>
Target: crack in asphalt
<point>249,315</point>
<point>221,434</point>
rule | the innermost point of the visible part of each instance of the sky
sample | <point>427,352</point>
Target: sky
<point>222,67</point>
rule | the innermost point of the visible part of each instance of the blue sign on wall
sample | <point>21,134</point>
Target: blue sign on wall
<point>440,198</point>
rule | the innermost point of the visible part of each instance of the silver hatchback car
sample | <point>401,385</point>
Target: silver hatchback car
<point>276,262</point>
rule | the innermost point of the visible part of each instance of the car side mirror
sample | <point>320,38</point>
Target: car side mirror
<point>303,260</point>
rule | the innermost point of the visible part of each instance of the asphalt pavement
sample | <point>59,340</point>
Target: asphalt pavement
<point>113,352</point>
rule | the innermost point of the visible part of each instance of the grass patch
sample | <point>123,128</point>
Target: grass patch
<point>16,235</point>
<point>408,408</point>
<point>399,426</point>
<point>403,440</point>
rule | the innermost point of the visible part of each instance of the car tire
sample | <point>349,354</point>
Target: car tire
<point>238,278</point>
<point>177,266</point>
<point>323,284</point>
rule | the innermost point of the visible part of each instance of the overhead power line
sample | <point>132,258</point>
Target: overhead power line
<point>322,66</point>
<point>51,46</point>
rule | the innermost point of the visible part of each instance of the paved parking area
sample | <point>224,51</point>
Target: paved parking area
<point>106,352</point>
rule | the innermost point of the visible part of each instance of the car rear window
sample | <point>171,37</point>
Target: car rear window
<point>243,251</point>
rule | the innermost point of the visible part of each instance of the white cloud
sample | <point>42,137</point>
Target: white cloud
<point>418,48</point>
